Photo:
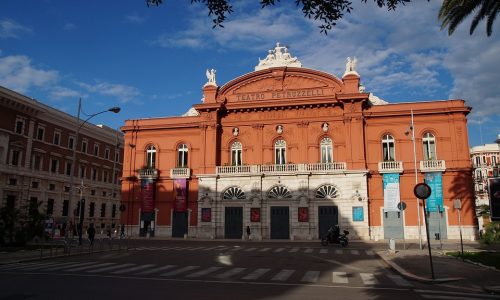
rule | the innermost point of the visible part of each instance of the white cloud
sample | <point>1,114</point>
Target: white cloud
<point>18,73</point>
<point>135,18</point>
<point>12,29</point>
<point>60,92</point>
<point>69,27</point>
<point>123,92</point>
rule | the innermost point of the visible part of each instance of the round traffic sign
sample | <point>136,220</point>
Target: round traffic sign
<point>422,190</point>
<point>401,206</point>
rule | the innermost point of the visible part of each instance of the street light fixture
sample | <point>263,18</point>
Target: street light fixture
<point>411,130</point>
<point>73,163</point>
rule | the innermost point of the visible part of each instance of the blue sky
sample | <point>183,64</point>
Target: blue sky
<point>151,61</point>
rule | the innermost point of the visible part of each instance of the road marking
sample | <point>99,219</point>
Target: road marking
<point>89,267</point>
<point>370,252</point>
<point>155,270</point>
<point>323,251</point>
<point>230,273</point>
<point>264,249</point>
<point>111,268</point>
<point>279,250</point>
<point>51,266</point>
<point>294,250</point>
<point>283,275</point>
<point>399,280</point>
<point>250,249</point>
<point>368,278</point>
<point>179,271</point>
<point>203,272</point>
<point>311,276</point>
<point>133,269</point>
<point>69,266</point>
<point>20,266</point>
<point>338,251</point>
<point>256,274</point>
<point>39,266</point>
<point>308,250</point>
<point>210,248</point>
<point>197,248</point>
<point>355,252</point>
<point>339,277</point>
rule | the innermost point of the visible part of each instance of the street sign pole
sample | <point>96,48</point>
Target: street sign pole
<point>458,206</point>
<point>423,191</point>
<point>428,240</point>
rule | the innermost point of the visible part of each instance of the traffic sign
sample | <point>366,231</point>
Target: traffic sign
<point>422,190</point>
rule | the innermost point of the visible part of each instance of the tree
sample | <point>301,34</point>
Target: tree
<point>453,12</point>
<point>326,11</point>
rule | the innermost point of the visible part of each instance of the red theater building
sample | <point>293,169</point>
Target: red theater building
<point>288,152</point>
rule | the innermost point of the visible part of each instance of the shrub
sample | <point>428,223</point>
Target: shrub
<point>491,233</point>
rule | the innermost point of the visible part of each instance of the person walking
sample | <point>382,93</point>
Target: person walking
<point>91,234</point>
<point>248,232</point>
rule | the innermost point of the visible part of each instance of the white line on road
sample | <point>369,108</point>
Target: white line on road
<point>279,250</point>
<point>89,267</point>
<point>308,250</point>
<point>179,271</point>
<point>203,272</point>
<point>283,275</point>
<point>133,269</point>
<point>294,250</point>
<point>323,251</point>
<point>256,274</point>
<point>338,251</point>
<point>230,273</point>
<point>264,249</point>
<point>355,252</point>
<point>59,268</point>
<point>155,270</point>
<point>111,268</point>
<point>339,277</point>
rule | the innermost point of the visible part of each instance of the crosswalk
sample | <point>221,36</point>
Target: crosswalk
<point>223,273</point>
<point>306,250</point>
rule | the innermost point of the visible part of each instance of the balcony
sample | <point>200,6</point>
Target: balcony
<point>282,169</point>
<point>432,166</point>
<point>148,173</point>
<point>180,173</point>
<point>390,167</point>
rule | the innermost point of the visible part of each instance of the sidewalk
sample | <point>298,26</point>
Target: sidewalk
<point>415,264</point>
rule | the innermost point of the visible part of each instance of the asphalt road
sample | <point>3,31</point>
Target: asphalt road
<point>218,270</point>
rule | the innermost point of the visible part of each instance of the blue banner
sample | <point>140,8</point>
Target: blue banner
<point>391,191</point>
<point>435,200</point>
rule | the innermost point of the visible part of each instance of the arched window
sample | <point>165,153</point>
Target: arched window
<point>326,191</point>
<point>236,156</point>
<point>280,152</point>
<point>279,192</point>
<point>388,148</point>
<point>151,157</point>
<point>182,156</point>
<point>326,150</point>
<point>429,143</point>
<point>234,193</point>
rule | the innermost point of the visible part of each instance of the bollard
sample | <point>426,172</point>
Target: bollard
<point>392,245</point>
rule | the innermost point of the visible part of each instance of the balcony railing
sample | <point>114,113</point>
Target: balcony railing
<point>390,166</point>
<point>432,165</point>
<point>180,173</point>
<point>286,168</point>
<point>148,173</point>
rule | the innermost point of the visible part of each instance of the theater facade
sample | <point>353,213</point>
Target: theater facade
<point>285,152</point>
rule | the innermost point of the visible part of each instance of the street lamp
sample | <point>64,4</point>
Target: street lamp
<point>412,130</point>
<point>73,162</point>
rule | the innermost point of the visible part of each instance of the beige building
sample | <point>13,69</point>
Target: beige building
<point>36,157</point>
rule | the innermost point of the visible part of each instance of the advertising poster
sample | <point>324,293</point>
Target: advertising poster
<point>180,195</point>
<point>147,195</point>
<point>303,214</point>
<point>206,214</point>
<point>435,200</point>
<point>254,214</point>
<point>358,214</point>
<point>391,192</point>
<point>494,191</point>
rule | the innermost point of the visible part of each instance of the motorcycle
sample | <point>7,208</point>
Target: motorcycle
<point>333,236</point>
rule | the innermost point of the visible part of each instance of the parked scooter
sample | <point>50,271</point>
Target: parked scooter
<point>333,236</point>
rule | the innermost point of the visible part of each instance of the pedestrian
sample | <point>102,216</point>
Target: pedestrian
<point>91,234</point>
<point>248,232</point>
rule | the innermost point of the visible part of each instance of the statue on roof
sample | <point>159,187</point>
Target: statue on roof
<point>211,77</point>
<point>350,66</point>
<point>278,57</point>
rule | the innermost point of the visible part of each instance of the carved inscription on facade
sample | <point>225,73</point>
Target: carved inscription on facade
<point>281,95</point>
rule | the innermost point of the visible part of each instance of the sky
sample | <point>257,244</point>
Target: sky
<point>151,61</point>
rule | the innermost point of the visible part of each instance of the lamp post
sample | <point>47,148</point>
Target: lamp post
<point>412,129</point>
<point>73,160</point>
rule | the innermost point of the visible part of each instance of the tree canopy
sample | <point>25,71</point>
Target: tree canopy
<point>329,12</point>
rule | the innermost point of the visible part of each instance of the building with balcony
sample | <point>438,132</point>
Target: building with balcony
<point>289,151</point>
<point>36,157</point>
<point>485,163</point>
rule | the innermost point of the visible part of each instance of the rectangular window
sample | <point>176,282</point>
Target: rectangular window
<point>57,138</point>
<point>106,153</point>
<point>91,209</point>
<point>35,184</point>
<point>66,189</point>
<point>40,132</point>
<point>96,150</point>
<point>19,126</point>
<point>113,211</point>
<point>104,193</point>
<point>50,206</point>
<point>117,157</point>
<point>65,208</point>
<point>37,162</point>
<point>52,187</point>
<point>84,146</point>
<point>54,164</point>
<point>103,210</point>
<point>478,161</point>
<point>12,181</point>
<point>105,176</point>
<point>493,160</point>
<point>82,171</point>
<point>71,142</point>
<point>92,192</point>
<point>69,165</point>
<point>94,174</point>
<point>15,158</point>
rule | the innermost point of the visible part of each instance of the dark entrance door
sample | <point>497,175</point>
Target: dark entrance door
<point>147,224</point>
<point>280,222</point>
<point>233,226</point>
<point>328,216</point>
<point>179,224</point>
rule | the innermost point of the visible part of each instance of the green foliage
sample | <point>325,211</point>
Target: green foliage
<point>326,11</point>
<point>17,227</point>
<point>486,258</point>
<point>491,233</point>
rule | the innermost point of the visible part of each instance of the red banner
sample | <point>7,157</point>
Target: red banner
<point>303,214</point>
<point>147,195</point>
<point>254,214</point>
<point>180,195</point>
